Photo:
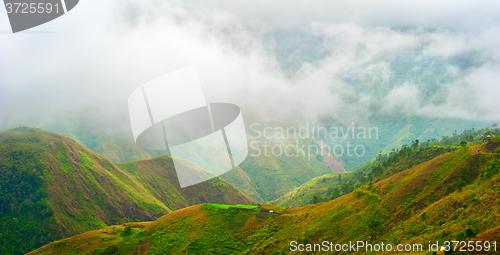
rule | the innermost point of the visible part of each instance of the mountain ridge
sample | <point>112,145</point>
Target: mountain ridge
<point>453,196</point>
<point>52,187</point>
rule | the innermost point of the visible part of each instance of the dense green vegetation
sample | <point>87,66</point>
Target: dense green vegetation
<point>268,178</point>
<point>413,206</point>
<point>334,185</point>
<point>25,212</point>
<point>52,187</point>
<point>40,176</point>
<point>159,177</point>
<point>275,176</point>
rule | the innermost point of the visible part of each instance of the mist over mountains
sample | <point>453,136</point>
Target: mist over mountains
<point>421,77</point>
<point>348,67</point>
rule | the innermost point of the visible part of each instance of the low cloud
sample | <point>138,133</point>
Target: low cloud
<point>99,55</point>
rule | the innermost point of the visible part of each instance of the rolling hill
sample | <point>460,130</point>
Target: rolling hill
<point>451,197</point>
<point>160,179</point>
<point>333,185</point>
<point>275,175</point>
<point>52,187</point>
<point>262,178</point>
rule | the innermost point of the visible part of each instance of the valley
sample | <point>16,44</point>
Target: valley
<point>453,196</point>
<point>52,187</point>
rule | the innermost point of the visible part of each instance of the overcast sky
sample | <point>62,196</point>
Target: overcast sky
<point>295,14</point>
<point>98,53</point>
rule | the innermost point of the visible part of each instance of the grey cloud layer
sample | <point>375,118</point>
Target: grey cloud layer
<point>99,55</point>
<point>290,14</point>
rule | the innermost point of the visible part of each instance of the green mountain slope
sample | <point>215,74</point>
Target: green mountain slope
<point>331,186</point>
<point>159,177</point>
<point>275,175</point>
<point>52,187</point>
<point>243,182</point>
<point>263,178</point>
<point>266,178</point>
<point>451,197</point>
<point>113,140</point>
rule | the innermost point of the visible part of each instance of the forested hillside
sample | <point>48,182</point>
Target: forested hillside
<point>334,185</point>
<point>451,197</point>
<point>51,187</point>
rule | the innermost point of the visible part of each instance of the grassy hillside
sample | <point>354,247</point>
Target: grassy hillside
<point>113,140</point>
<point>160,179</point>
<point>276,175</point>
<point>52,187</point>
<point>265,178</point>
<point>333,185</point>
<point>262,179</point>
<point>451,197</point>
<point>243,182</point>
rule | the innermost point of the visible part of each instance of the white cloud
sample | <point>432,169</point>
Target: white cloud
<point>99,55</point>
<point>403,98</point>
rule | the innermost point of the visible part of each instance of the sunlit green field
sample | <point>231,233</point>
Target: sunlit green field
<point>238,206</point>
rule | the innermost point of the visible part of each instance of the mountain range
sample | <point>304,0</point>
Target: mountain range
<point>453,196</point>
<point>52,187</point>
